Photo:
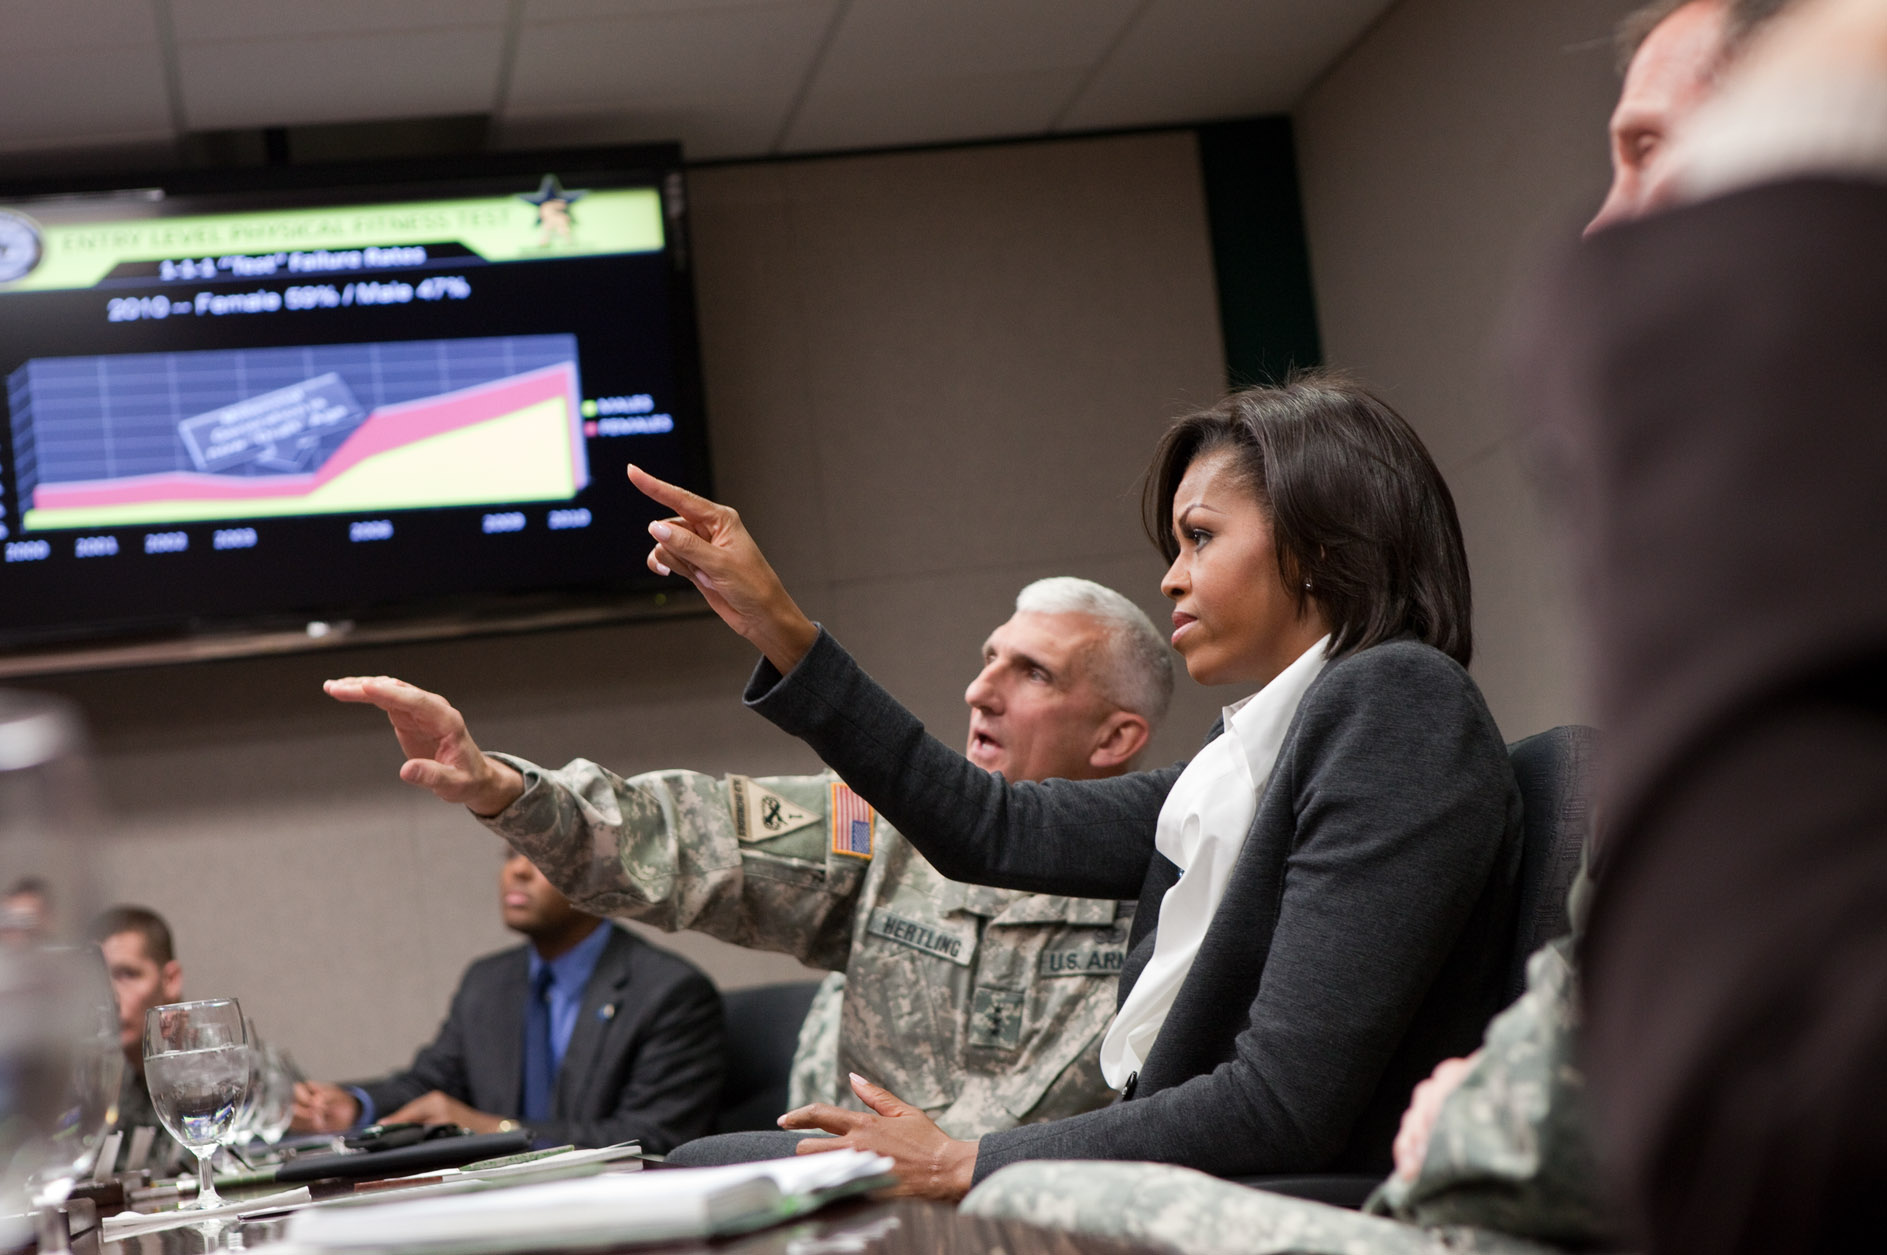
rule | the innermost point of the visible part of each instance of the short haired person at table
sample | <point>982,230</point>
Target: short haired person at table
<point>141,960</point>
<point>984,1006</point>
<point>586,1035</point>
<point>1325,891</point>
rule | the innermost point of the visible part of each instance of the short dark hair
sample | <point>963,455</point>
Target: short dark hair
<point>1741,19</point>
<point>141,920</point>
<point>1357,507</point>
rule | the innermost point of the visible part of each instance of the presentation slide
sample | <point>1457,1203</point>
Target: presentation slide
<point>224,405</point>
<point>323,429</point>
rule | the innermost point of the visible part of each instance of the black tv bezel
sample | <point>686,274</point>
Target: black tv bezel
<point>634,593</point>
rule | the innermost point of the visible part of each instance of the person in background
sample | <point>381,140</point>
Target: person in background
<point>586,1035</point>
<point>1325,891</point>
<point>986,1006</point>
<point>141,960</point>
<point>23,911</point>
<point>1713,382</point>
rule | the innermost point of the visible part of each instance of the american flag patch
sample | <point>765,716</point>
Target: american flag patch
<point>850,819</point>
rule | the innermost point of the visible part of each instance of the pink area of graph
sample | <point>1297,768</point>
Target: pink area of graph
<point>388,427</point>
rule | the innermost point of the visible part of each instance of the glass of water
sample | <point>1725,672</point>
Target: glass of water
<point>196,1062</point>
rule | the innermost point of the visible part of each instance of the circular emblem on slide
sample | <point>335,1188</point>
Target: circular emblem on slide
<point>19,245</point>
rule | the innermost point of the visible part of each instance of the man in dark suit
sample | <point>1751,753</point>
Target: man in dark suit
<point>1711,381</point>
<point>588,1035</point>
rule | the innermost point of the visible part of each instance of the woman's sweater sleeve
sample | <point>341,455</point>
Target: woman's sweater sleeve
<point>1089,839</point>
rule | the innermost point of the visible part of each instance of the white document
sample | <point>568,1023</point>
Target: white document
<point>127,1223</point>
<point>611,1210</point>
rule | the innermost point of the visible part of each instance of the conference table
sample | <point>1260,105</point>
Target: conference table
<point>855,1227</point>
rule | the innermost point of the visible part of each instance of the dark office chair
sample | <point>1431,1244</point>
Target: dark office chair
<point>762,1032</point>
<point>1554,772</point>
<point>1554,769</point>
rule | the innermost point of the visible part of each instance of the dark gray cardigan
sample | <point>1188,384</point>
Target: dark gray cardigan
<point>1362,938</point>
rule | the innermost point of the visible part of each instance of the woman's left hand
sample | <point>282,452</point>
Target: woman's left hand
<point>706,544</point>
<point>930,1163</point>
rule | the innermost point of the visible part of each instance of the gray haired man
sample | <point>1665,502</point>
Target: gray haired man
<point>984,1006</point>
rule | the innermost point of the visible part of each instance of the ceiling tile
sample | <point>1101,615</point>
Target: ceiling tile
<point>74,24</point>
<point>912,71</point>
<point>705,134</point>
<point>1185,60</point>
<point>208,20</point>
<point>724,76</point>
<point>970,106</point>
<point>887,43</point>
<point>680,57</point>
<point>719,79</point>
<point>563,10</point>
<point>83,97</point>
<point>340,78</point>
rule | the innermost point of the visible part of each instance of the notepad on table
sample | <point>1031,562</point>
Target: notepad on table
<point>616,1209</point>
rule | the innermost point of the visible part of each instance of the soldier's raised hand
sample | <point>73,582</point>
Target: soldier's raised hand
<point>707,545</point>
<point>440,753</point>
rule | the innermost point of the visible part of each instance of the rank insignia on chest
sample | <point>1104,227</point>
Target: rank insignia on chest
<point>761,814</point>
<point>850,818</point>
<point>996,1019</point>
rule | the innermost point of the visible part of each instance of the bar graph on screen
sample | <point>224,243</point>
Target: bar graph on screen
<point>326,429</point>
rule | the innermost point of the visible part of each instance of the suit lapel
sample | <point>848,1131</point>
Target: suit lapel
<point>602,1003</point>
<point>505,1032</point>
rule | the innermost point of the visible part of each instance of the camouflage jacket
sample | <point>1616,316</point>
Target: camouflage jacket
<point>1509,1169</point>
<point>1511,1149</point>
<point>985,1007</point>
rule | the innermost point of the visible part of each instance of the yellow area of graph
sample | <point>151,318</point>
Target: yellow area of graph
<point>525,455</point>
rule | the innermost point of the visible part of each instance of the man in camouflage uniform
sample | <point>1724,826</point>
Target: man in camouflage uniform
<point>983,1006</point>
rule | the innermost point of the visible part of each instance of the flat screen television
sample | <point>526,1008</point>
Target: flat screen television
<point>397,397</point>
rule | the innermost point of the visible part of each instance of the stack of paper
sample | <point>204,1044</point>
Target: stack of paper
<point>125,1224</point>
<point>610,1210</point>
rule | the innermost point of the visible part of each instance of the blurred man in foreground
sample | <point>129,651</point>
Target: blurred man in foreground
<point>587,1035</point>
<point>985,1006</point>
<point>1716,380</point>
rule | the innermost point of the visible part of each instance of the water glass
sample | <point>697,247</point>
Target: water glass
<point>196,1063</point>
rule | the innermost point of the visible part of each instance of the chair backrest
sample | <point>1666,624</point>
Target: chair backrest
<point>762,1032</point>
<point>1554,769</point>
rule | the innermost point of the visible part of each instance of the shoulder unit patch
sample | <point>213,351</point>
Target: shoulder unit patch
<point>761,814</point>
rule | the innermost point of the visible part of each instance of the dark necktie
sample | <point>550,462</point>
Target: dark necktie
<point>539,1076</point>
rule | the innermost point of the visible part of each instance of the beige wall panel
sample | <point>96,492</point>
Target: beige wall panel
<point>931,376</point>
<point>1438,157</point>
<point>1000,336</point>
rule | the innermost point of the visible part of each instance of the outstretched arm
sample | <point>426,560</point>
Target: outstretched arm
<point>440,752</point>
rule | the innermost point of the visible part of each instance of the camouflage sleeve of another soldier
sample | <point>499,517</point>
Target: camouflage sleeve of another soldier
<point>771,864</point>
<point>1511,1149</point>
<point>1508,1169</point>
